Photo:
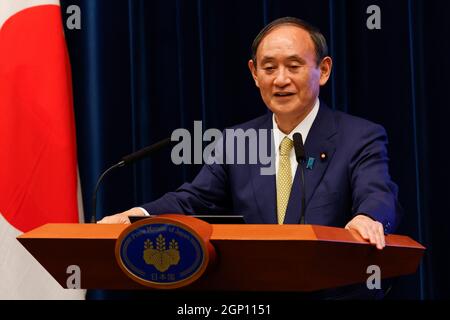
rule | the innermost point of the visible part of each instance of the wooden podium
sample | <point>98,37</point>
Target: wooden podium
<point>249,257</point>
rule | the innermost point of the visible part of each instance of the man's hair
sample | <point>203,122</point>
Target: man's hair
<point>320,43</point>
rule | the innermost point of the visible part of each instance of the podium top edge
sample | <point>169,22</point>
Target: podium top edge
<point>223,232</point>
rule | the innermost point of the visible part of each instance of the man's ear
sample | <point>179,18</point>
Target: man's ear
<point>252,67</point>
<point>325,67</point>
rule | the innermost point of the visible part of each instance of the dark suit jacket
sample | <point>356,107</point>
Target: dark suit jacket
<point>353,179</point>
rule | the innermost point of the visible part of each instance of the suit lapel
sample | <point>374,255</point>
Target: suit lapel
<point>264,186</point>
<point>320,140</point>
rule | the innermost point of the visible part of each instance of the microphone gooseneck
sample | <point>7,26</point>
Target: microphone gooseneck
<point>300,156</point>
<point>126,160</point>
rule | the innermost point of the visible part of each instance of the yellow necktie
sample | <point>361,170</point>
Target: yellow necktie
<point>284,178</point>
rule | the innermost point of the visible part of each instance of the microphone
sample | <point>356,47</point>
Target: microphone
<point>300,156</point>
<point>126,160</point>
<point>145,152</point>
<point>298,147</point>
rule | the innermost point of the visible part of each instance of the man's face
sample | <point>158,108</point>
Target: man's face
<point>287,73</point>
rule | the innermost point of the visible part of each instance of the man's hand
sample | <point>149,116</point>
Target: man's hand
<point>122,218</point>
<point>368,229</point>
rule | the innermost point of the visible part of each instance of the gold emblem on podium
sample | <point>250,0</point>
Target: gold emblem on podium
<point>160,257</point>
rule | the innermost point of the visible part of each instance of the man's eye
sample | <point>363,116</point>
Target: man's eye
<point>295,67</point>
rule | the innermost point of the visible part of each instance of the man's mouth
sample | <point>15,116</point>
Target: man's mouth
<point>283,94</point>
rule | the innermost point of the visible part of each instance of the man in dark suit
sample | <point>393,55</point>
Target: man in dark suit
<point>346,178</point>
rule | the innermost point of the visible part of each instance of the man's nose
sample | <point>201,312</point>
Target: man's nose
<point>282,78</point>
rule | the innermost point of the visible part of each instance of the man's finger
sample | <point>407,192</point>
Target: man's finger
<point>103,221</point>
<point>377,235</point>
<point>378,239</point>
<point>372,236</point>
<point>114,219</point>
<point>362,231</point>
<point>124,220</point>
<point>381,233</point>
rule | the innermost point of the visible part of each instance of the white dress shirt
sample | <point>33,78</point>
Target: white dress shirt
<point>302,128</point>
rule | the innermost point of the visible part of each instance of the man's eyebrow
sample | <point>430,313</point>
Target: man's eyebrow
<point>267,59</point>
<point>296,58</point>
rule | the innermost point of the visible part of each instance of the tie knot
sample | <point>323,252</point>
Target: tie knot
<point>286,146</point>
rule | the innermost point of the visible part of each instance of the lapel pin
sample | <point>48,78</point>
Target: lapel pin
<point>310,163</point>
<point>323,156</point>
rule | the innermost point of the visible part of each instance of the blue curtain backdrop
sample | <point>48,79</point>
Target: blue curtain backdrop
<point>144,68</point>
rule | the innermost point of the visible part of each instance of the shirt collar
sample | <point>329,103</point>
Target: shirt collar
<point>302,128</point>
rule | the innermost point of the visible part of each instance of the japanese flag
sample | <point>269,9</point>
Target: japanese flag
<point>38,164</point>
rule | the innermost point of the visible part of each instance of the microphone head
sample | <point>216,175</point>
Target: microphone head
<point>145,152</point>
<point>299,147</point>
